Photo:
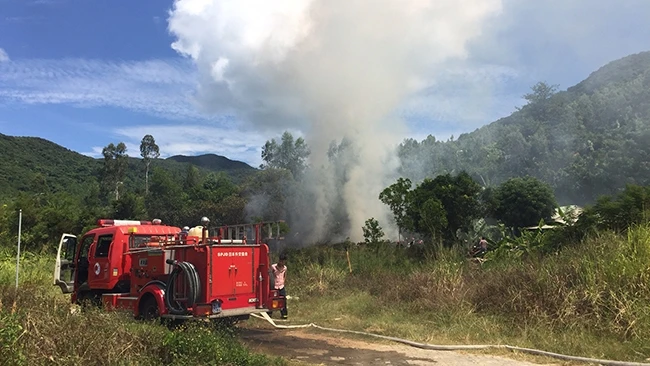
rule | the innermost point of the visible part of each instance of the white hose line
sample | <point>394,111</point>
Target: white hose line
<point>266,317</point>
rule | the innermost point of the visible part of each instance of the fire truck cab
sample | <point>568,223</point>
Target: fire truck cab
<point>155,270</point>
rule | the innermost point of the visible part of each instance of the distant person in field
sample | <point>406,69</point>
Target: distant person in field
<point>279,271</point>
<point>479,249</point>
<point>482,246</point>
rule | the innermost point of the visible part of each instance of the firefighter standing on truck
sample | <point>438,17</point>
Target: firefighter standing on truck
<point>279,271</point>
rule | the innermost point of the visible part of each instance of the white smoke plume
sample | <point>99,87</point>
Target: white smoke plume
<point>332,69</point>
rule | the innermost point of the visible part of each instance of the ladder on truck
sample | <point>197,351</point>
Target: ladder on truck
<point>256,233</point>
<point>244,234</point>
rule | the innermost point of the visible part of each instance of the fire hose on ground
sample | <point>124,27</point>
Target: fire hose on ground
<point>461,347</point>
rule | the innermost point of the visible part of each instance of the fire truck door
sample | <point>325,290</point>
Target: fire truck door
<point>233,271</point>
<point>98,276</point>
<point>81,266</point>
<point>64,268</point>
<point>243,275</point>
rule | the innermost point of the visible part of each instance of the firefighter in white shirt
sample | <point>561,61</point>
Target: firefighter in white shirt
<point>279,272</point>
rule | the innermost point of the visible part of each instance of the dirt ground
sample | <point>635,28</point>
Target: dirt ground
<point>312,347</point>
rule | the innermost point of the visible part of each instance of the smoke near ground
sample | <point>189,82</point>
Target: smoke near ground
<point>332,69</point>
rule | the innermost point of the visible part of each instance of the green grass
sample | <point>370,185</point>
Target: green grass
<point>591,299</point>
<point>39,326</point>
<point>34,270</point>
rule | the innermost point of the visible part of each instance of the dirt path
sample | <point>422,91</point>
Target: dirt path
<point>313,347</point>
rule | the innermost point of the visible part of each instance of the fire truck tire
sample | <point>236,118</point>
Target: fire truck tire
<point>149,308</point>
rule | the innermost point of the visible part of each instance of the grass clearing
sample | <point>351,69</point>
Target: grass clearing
<point>591,299</point>
<point>39,326</point>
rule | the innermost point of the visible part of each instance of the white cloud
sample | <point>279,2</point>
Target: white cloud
<point>46,2</point>
<point>166,88</point>
<point>162,88</point>
<point>95,152</point>
<point>465,95</point>
<point>3,55</point>
<point>23,18</point>
<point>563,41</point>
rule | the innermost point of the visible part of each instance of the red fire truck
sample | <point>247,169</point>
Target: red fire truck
<point>156,270</point>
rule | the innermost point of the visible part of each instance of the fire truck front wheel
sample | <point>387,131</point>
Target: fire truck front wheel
<point>149,308</point>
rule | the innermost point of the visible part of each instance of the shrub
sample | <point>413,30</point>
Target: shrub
<point>372,232</point>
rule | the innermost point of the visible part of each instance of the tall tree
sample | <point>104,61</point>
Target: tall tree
<point>396,196</point>
<point>289,154</point>
<point>192,178</point>
<point>540,92</point>
<point>130,207</point>
<point>148,150</point>
<point>167,201</point>
<point>115,164</point>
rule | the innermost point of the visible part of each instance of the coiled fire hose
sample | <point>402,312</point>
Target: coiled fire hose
<point>434,347</point>
<point>193,284</point>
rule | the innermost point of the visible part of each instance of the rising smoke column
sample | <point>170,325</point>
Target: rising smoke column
<point>332,69</point>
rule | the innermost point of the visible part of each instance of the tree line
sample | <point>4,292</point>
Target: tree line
<point>177,198</point>
<point>444,209</point>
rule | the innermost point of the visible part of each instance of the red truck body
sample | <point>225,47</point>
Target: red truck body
<point>156,270</point>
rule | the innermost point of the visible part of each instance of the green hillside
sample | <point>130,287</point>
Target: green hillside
<point>237,170</point>
<point>587,141</point>
<point>32,163</point>
<point>36,165</point>
<point>212,162</point>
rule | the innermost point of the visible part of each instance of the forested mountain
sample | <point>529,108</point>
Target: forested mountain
<point>36,165</point>
<point>587,141</point>
<point>30,163</point>
<point>211,162</point>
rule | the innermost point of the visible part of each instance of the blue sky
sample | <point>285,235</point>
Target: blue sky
<point>86,73</point>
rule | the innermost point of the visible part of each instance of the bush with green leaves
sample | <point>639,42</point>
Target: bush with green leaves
<point>523,202</point>
<point>447,204</point>
<point>372,232</point>
<point>630,207</point>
